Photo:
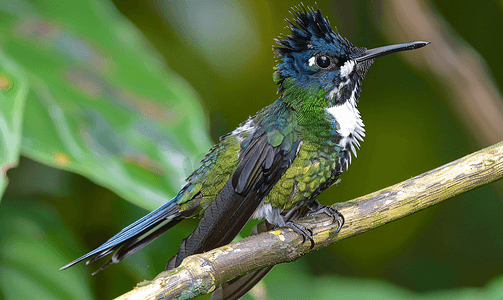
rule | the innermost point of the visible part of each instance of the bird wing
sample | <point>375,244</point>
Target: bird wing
<point>263,159</point>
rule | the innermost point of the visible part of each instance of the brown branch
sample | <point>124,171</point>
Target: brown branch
<point>202,273</point>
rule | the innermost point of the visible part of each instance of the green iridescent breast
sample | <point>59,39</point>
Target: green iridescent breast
<point>313,166</point>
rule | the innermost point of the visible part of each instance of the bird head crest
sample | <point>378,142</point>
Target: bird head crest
<point>312,37</point>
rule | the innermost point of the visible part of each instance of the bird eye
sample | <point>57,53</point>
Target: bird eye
<point>323,61</point>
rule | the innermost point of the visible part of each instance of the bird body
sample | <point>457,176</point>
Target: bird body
<point>278,161</point>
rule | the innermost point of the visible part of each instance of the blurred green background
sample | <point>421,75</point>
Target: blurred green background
<point>130,95</point>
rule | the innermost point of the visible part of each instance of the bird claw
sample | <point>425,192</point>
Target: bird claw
<point>315,208</point>
<point>331,212</point>
<point>303,231</point>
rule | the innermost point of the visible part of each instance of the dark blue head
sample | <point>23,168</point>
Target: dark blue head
<point>315,57</point>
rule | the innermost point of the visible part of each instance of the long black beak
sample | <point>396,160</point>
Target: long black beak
<point>380,51</point>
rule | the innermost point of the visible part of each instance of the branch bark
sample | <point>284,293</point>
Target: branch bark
<point>202,273</point>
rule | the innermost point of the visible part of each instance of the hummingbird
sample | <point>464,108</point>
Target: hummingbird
<point>274,165</point>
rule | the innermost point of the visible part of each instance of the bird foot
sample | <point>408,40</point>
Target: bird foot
<point>315,208</point>
<point>303,231</point>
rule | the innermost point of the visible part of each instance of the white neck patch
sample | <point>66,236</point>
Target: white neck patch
<point>349,124</point>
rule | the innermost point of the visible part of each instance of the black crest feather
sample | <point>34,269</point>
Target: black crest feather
<point>310,26</point>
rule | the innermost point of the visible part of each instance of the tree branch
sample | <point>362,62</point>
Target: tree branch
<point>202,273</point>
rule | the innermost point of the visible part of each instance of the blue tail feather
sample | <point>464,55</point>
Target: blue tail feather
<point>133,235</point>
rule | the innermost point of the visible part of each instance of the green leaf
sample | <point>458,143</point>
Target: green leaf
<point>13,90</point>
<point>101,101</point>
<point>34,243</point>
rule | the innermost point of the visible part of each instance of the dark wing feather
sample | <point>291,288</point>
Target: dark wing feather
<point>260,167</point>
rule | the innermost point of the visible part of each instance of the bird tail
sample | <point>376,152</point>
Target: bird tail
<point>135,236</point>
